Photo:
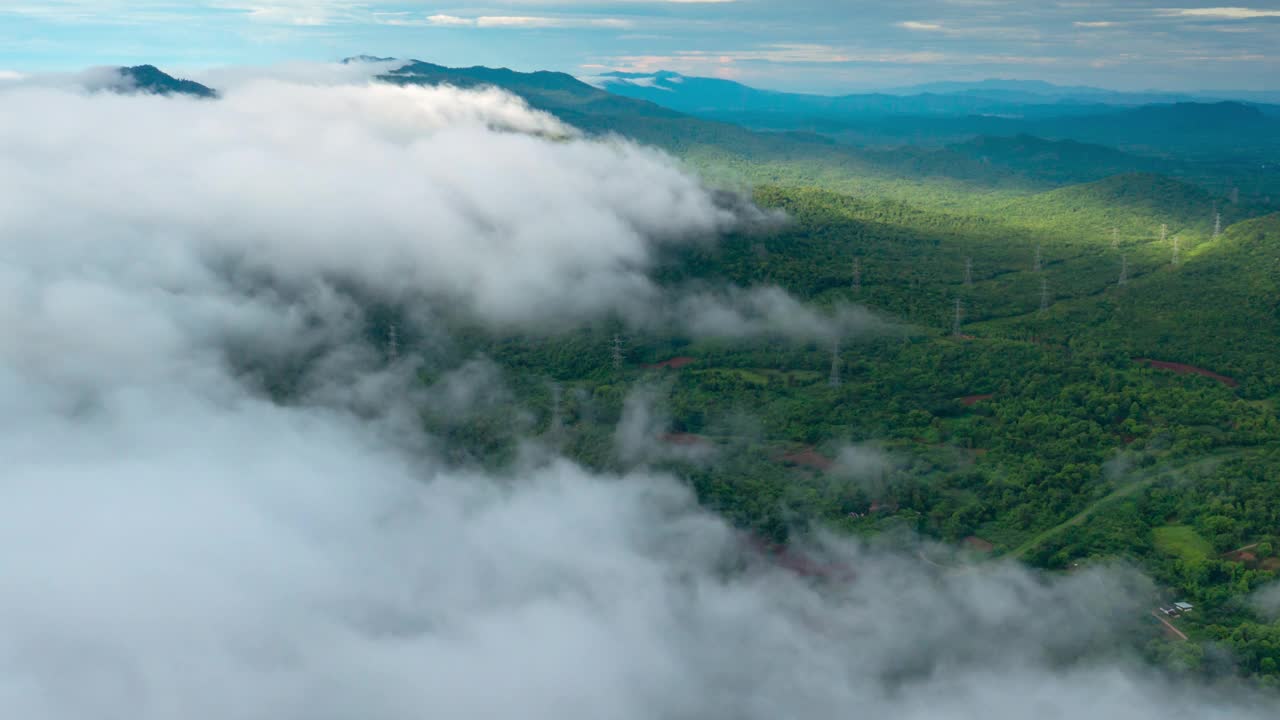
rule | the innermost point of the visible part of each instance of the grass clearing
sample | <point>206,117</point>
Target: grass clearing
<point>1182,541</point>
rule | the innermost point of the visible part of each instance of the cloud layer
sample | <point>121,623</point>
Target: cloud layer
<point>403,190</point>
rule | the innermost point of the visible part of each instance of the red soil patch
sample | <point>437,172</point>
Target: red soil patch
<point>810,458</point>
<point>1183,369</point>
<point>971,400</point>
<point>797,562</point>
<point>973,542</point>
<point>1242,555</point>
<point>674,363</point>
<point>684,439</point>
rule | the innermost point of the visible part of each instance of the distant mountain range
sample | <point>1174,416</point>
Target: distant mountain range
<point>940,114</point>
<point>1015,98</point>
<point>985,150</point>
<point>725,98</point>
<point>1039,90</point>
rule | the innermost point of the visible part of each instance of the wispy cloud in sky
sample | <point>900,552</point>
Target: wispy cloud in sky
<point>1226,13</point>
<point>917,25</point>
<point>821,45</point>
<point>506,21</point>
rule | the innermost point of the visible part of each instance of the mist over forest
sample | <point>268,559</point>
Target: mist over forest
<point>383,389</point>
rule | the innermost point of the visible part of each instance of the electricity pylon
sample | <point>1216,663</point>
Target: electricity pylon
<point>834,379</point>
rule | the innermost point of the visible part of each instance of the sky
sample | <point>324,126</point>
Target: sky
<point>809,45</point>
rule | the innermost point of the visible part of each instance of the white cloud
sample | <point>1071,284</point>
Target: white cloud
<point>1266,601</point>
<point>408,190</point>
<point>923,26</point>
<point>768,311</point>
<point>1224,13</point>
<point>643,434</point>
<point>517,21</point>
<point>1094,23</point>
<point>92,79</point>
<point>449,20</point>
<point>232,77</point>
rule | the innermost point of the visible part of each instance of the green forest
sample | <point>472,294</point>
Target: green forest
<point>1076,366</point>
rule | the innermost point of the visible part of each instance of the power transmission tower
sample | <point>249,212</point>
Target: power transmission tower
<point>1164,233</point>
<point>834,379</point>
<point>393,342</point>
<point>857,274</point>
<point>1177,247</point>
<point>1038,258</point>
<point>1115,238</point>
<point>1044,295</point>
<point>968,271</point>
<point>1217,225</point>
<point>955,329</point>
<point>1124,270</point>
<point>1235,196</point>
<point>616,351</point>
<point>555,427</point>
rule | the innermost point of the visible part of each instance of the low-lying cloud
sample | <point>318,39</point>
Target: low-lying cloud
<point>466,196</point>
<point>770,311</point>
<point>644,434</point>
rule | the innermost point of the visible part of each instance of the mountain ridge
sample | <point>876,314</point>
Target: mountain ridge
<point>152,80</point>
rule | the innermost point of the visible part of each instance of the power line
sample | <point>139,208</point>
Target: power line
<point>393,342</point>
<point>968,271</point>
<point>955,329</point>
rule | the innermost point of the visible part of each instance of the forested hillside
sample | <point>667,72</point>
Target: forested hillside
<point>1075,359</point>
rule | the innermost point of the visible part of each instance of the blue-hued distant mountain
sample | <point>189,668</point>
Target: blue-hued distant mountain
<point>1153,123</point>
<point>1033,90</point>
<point>1035,87</point>
<point>150,79</point>
<point>1039,92</point>
<point>1012,98</point>
<point>726,99</point>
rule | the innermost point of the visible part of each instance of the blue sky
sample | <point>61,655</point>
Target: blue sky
<point>813,45</point>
